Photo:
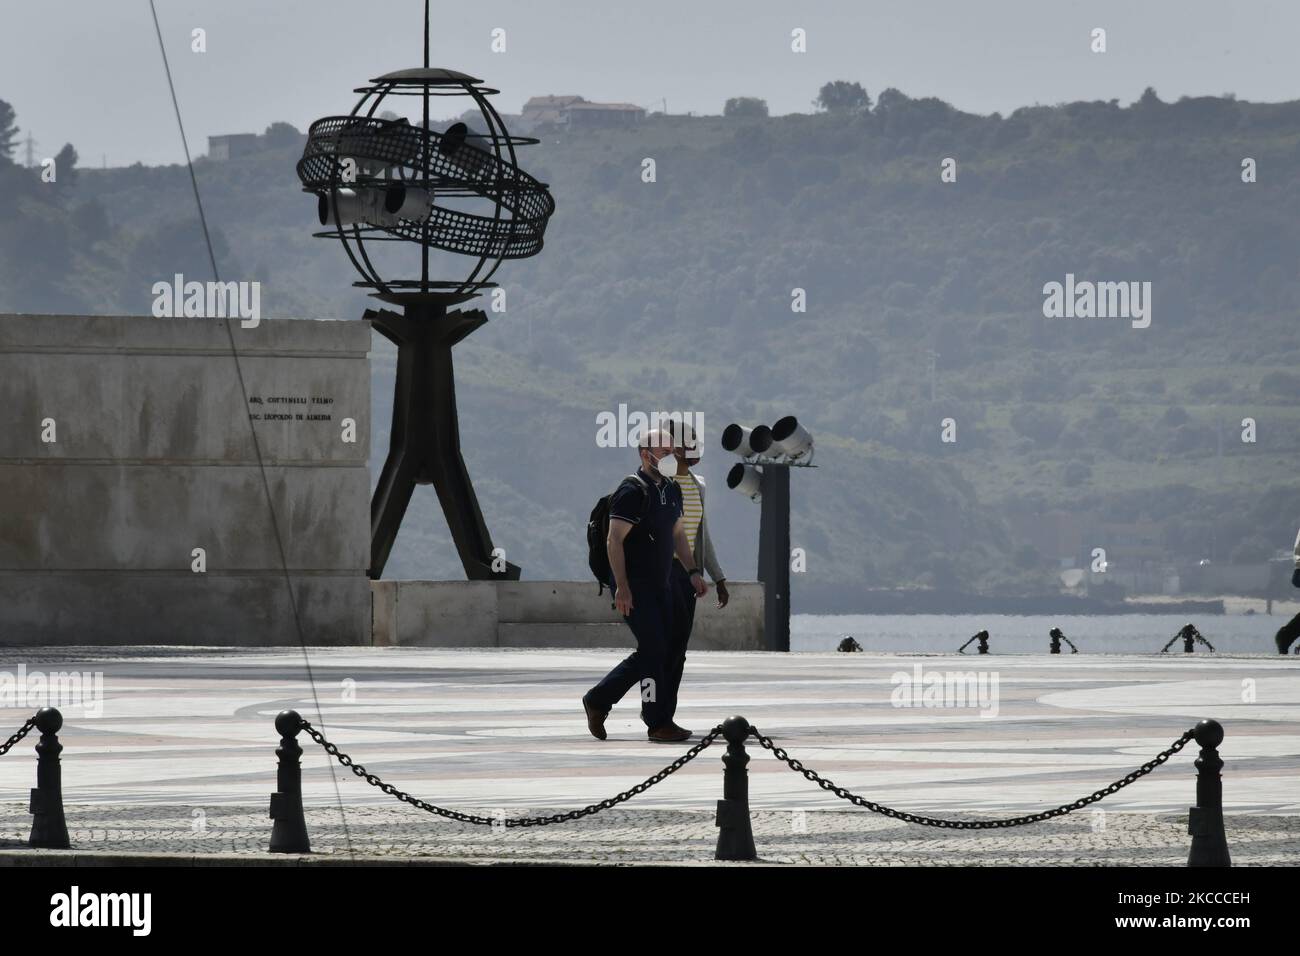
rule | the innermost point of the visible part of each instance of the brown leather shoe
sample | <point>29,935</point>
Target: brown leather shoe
<point>668,734</point>
<point>595,720</point>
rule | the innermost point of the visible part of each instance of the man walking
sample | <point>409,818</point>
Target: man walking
<point>1290,630</point>
<point>645,531</point>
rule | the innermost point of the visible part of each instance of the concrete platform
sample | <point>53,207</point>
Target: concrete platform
<point>567,614</point>
<point>188,735</point>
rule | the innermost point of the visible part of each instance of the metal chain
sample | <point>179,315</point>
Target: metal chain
<point>419,804</point>
<point>22,732</point>
<point>843,794</point>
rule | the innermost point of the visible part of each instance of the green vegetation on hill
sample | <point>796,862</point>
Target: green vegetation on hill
<point>676,294</point>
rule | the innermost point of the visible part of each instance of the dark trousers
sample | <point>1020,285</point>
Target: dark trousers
<point>683,621</point>
<point>1288,633</point>
<point>661,621</point>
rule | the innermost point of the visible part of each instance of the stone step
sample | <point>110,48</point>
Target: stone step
<point>564,635</point>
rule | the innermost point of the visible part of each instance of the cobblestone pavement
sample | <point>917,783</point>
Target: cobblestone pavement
<point>671,836</point>
<point>182,738</point>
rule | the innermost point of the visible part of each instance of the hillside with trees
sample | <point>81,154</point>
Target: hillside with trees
<point>924,305</point>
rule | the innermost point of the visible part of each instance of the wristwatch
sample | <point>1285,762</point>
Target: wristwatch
<point>694,571</point>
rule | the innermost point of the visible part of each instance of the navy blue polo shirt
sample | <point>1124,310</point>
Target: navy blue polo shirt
<point>648,547</point>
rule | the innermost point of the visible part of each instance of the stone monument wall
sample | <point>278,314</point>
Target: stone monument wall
<point>132,507</point>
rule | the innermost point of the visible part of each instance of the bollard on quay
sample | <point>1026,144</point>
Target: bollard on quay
<point>289,832</point>
<point>1205,820</point>
<point>49,827</point>
<point>1057,635</point>
<point>735,834</point>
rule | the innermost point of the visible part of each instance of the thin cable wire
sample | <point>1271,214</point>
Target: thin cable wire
<point>257,448</point>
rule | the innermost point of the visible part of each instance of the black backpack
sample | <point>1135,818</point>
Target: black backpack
<point>598,532</point>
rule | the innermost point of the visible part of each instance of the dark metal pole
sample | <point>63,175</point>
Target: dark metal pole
<point>1205,820</point>
<point>424,447</point>
<point>774,556</point>
<point>289,832</point>
<point>49,827</point>
<point>424,229</point>
<point>735,833</point>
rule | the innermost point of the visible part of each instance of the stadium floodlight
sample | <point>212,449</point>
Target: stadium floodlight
<point>786,442</point>
<point>770,454</point>
<point>791,439</point>
<point>747,479</point>
<point>736,438</point>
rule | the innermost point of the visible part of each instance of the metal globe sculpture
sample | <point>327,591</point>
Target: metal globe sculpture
<point>457,190</point>
<point>379,180</point>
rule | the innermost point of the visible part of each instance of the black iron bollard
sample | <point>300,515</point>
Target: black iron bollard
<point>1057,636</point>
<point>982,637</point>
<point>1205,820</point>
<point>289,833</point>
<point>735,835</point>
<point>49,828</point>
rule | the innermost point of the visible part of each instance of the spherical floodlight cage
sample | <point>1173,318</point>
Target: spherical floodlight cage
<point>362,151</point>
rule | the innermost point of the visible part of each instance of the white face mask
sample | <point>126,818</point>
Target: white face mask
<point>667,465</point>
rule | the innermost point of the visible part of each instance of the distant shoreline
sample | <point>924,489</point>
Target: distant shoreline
<point>947,602</point>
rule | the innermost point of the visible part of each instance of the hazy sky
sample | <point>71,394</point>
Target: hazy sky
<point>89,72</point>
